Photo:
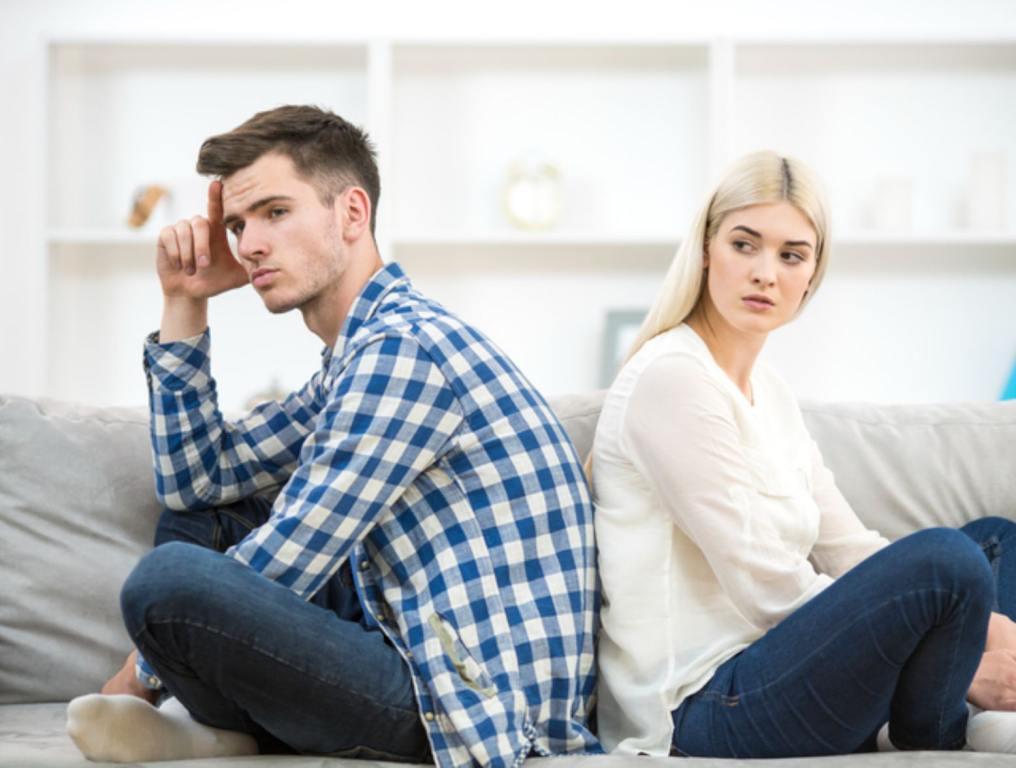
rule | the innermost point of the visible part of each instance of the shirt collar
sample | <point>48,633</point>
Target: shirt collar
<point>383,282</point>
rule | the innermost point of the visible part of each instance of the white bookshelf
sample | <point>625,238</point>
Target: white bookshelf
<point>638,131</point>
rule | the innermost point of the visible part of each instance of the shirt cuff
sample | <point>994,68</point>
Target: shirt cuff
<point>180,364</point>
<point>146,675</point>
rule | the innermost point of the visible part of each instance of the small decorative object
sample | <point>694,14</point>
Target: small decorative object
<point>892,204</point>
<point>986,200</point>
<point>1009,393</point>
<point>621,329</point>
<point>274,391</point>
<point>145,201</point>
<point>532,193</point>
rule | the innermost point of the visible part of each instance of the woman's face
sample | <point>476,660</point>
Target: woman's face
<point>760,262</point>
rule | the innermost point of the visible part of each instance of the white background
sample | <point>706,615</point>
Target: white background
<point>924,313</point>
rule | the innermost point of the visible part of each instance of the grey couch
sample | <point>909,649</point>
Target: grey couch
<point>77,510</point>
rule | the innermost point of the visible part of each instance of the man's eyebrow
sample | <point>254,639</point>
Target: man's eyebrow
<point>759,236</point>
<point>254,206</point>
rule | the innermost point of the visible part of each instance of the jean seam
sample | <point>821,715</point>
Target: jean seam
<point>263,652</point>
<point>952,669</point>
<point>819,648</point>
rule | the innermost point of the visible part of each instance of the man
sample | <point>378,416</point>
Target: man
<point>423,586</point>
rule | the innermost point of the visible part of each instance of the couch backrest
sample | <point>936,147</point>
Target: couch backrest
<point>77,508</point>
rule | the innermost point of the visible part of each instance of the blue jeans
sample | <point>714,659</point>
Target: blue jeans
<point>898,638</point>
<point>243,653</point>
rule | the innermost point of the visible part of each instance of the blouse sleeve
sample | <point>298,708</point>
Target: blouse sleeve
<point>681,433</point>
<point>843,540</point>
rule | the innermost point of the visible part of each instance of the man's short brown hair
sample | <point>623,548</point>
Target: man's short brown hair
<point>331,153</point>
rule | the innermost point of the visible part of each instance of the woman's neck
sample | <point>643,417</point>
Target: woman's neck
<point>734,352</point>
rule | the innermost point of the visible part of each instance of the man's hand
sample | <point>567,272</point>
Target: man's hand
<point>193,258</point>
<point>125,681</point>
<point>194,262</point>
<point>994,685</point>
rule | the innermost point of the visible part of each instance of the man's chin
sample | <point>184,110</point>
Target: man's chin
<point>277,307</point>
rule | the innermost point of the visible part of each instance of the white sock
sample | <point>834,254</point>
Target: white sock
<point>991,731</point>
<point>884,745</point>
<point>125,729</point>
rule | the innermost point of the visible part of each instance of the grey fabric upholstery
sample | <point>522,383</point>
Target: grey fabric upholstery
<point>77,509</point>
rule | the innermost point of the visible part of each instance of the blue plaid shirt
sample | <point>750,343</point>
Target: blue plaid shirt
<point>421,452</point>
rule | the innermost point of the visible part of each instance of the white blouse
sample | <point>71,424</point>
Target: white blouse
<point>715,519</point>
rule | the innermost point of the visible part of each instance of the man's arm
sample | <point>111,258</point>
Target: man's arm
<point>199,459</point>
<point>389,416</point>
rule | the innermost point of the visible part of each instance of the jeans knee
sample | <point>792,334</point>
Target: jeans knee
<point>953,560</point>
<point>156,579</point>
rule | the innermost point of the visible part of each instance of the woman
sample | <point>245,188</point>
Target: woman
<point>747,612</point>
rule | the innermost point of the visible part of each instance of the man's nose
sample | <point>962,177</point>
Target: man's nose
<point>252,243</point>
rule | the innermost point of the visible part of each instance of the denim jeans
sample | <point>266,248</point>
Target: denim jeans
<point>898,638</point>
<point>243,653</point>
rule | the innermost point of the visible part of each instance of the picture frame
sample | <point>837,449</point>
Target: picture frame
<point>620,329</point>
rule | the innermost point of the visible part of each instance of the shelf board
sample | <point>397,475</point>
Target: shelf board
<point>933,239</point>
<point>532,239</point>
<point>100,237</point>
<point>550,240</point>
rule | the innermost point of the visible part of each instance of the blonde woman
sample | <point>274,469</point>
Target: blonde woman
<point>747,612</point>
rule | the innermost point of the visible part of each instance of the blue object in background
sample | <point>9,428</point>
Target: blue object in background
<point>1009,393</point>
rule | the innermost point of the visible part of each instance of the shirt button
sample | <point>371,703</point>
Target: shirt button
<point>428,716</point>
<point>364,565</point>
<point>409,654</point>
<point>154,682</point>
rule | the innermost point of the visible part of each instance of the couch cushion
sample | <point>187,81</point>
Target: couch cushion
<point>907,467</point>
<point>77,508</point>
<point>33,736</point>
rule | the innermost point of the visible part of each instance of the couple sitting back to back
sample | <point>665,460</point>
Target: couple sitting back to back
<point>397,561</point>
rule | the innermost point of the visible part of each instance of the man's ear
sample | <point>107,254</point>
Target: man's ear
<point>353,205</point>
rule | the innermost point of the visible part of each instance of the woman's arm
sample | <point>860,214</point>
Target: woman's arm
<point>843,540</point>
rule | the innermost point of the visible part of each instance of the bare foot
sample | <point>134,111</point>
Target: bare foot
<point>126,682</point>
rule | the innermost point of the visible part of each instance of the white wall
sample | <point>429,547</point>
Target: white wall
<point>902,331</point>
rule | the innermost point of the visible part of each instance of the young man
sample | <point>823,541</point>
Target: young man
<point>423,586</point>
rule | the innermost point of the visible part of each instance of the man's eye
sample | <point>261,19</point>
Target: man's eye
<point>237,228</point>
<point>276,212</point>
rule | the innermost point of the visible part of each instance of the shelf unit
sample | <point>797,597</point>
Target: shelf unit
<point>638,130</point>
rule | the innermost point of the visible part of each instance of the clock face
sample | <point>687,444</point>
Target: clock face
<point>532,197</point>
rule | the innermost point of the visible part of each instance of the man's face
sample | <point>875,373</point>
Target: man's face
<point>290,244</point>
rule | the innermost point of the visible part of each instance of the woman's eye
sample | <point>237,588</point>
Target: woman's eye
<point>237,228</point>
<point>791,256</point>
<point>742,245</point>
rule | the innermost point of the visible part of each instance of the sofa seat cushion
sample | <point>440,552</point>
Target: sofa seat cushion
<point>33,736</point>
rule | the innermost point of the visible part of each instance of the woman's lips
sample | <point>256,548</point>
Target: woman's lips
<point>757,305</point>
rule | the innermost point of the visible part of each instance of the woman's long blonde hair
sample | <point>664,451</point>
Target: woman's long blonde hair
<point>755,179</point>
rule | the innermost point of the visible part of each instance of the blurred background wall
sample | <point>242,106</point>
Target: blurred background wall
<point>540,163</point>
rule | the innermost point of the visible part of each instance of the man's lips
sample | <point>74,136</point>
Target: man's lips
<point>262,277</point>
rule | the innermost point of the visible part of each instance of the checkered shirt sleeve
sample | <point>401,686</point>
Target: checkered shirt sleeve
<point>389,416</point>
<point>347,453</point>
<point>200,459</point>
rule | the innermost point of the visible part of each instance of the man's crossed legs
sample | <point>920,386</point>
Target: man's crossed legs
<point>245,655</point>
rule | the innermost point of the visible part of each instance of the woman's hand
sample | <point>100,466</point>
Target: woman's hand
<point>994,685</point>
<point>1001,633</point>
